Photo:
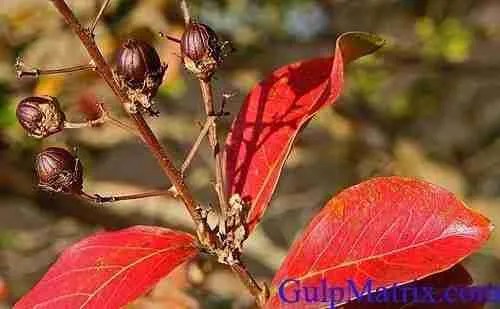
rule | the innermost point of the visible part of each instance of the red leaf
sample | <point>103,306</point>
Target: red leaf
<point>390,230</point>
<point>110,269</point>
<point>275,110</point>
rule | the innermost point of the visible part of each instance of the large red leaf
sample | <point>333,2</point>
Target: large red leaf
<point>263,133</point>
<point>110,269</point>
<point>390,230</point>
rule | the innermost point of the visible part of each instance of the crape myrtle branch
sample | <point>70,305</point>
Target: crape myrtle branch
<point>105,71</point>
<point>226,239</point>
<point>202,53</point>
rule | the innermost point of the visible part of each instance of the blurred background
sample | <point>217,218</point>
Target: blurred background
<point>427,105</point>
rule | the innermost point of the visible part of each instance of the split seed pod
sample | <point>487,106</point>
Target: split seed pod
<point>140,70</point>
<point>40,116</point>
<point>59,171</point>
<point>201,50</point>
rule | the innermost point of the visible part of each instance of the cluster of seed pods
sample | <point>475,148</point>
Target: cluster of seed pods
<point>139,71</point>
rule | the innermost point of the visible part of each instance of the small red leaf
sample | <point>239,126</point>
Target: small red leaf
<point>110,269</point>
<point>275,110</point>
<point>390,230</point>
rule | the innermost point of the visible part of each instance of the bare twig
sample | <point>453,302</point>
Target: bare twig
<point>105,117</point>
<point>185,11</point>
<point>207,237</point>
<point>171,38</point>
<point>96,198</point>
<point>197,144</point>
<point>104,70</point>
<point>208,100</point>
<point>21,70</point>
<point>99,15</point>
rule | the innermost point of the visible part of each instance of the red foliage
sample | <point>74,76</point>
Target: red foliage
<point>274,112</point>
<point>110,269</point>
<point>390,230</point>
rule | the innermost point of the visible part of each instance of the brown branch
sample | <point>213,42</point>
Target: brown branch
<point>261,294</point>
<point>208,100</point>
<point>96,198</point>
<point>104,70</point>
<point>205,235</point>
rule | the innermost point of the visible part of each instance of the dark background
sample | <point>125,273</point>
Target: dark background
<point>427,105</point>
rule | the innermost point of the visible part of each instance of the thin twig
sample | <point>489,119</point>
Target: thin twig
<point>171,38</point>
<point>185,11</point>
<point>99,15</point>
<point>122,125</point>
<point>205,235</point>
<point>208,100</point>
<point>96,198</point>
<point>197,144</point>
<point>105,117</point>
<point>21,70</point>
<point>104,70</point>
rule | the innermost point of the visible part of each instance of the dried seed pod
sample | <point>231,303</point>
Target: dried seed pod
<point>201,50</point>
<point>140,70</point>
<point>40,116</point>
<point>58,170</point>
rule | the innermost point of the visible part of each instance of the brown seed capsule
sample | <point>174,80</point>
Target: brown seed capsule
<point>201,50</point>
<point>59,171</point>
<point>40,116</point>
<point>139,68</point>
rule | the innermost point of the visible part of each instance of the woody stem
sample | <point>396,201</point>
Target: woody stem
<point>161,155</point>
